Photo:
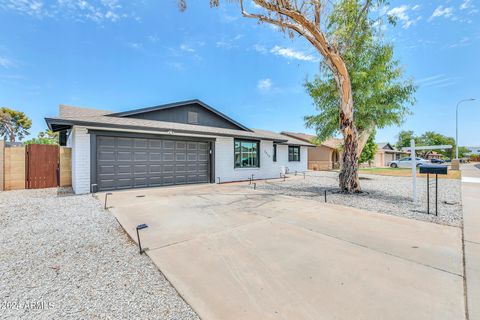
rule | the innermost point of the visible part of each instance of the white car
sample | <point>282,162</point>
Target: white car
<point>407,162</point>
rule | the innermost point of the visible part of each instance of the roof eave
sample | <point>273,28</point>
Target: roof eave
<point>52,122</point>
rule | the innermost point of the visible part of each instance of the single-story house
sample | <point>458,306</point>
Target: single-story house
<point>433,155</point>
<point>325,156</point>
<point>172,144</point>
<point>386,153</point>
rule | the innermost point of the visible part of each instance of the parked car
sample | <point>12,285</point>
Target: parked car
<point>407,162</point>
<point>439,161</point>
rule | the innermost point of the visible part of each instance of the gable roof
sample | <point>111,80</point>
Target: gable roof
<point>178,104</point>
<point>385,145</point>
<point>332,143</point>
<point>93,118</point>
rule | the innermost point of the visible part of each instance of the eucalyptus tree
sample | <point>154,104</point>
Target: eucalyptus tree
<point>381,95</point>
<point>324,24</point>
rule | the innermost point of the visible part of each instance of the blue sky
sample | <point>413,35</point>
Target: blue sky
<point>121,55</point>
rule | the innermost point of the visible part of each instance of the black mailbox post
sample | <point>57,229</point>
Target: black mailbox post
<point>435,169</point>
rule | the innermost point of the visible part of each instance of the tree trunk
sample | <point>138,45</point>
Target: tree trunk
<point>348,178</point>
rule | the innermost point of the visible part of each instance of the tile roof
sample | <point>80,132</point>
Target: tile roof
<point>69,115</point>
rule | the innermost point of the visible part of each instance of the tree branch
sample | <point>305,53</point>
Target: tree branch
<point>363,12</point>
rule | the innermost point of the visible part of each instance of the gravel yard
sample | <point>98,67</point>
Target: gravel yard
<point>65,257</point>
<point>384,194</point>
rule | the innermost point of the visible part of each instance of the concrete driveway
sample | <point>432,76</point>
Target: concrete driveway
<point>236,253</point>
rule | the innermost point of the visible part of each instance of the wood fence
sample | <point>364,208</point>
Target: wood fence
<point>50,166</point>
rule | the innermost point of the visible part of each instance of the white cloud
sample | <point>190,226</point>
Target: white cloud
<point>135,45</point>
<point>441,11</point>
<point>436,81</point>
<point>466,5</point>
<point>463,42</point>
<point>292,54</point>
<point>153,38</point>
<point>6,63</point>
<point>80,10</point>
<point>177,66</point>
<point>228,43</point>
<point>260,48</point>
<point>187,48</point>
<point>264,84</point>
<point>401,13</point>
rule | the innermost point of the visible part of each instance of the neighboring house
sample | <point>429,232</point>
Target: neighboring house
<point>325,156</point>
<point>386,153</point>
<point>178,143</point>
<point>432,155</point>
<point>473,151</point>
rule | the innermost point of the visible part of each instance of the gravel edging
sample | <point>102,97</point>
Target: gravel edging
<point>65,257</point>
<point>383,194</point>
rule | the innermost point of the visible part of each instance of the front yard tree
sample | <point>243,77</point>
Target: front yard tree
<point>324,24</point>
<point>13,124</point>
<point>382,97</point>
<point>369,150</point>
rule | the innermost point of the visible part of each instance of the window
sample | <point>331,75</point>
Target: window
<point>192,117</point>
<point>246,154</point>
<point>293,153</point>
<point>274,152</point>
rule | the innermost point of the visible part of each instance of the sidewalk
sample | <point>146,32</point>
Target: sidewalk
<point>471,216</point>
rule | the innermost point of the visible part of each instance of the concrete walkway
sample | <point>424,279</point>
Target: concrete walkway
<point>471,216</point>
<point>235,253</point>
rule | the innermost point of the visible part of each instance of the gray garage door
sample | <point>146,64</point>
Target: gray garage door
<point>124,163</point>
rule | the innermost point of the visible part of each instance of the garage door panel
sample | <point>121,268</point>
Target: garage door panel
<point>155,156</point>
<point>106,142</point>
<point>127,162</point>
<point>106,169</point>
<point>124,143</point>
<point>155,168</point>
<point>140,143</point>
<point>154,144</point>
<point>140,156</point>
<point>168,169</point>
<point>168,156</point>
<point>105,155</point>
<point>180,156</point>
<point>168,145</point>
<point>124,156</point>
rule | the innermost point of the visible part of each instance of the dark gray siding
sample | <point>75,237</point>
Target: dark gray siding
<point>179,114</point>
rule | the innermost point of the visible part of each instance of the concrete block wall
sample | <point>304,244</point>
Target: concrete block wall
<point>80,144</point>
<point>224,161</point>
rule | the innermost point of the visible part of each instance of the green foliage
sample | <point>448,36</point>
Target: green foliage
<point>381,95</point>
<point>368,152</point>
<point>404,138</point>
<point>428,138</point>
<point>463,152</point>
<point>13,124</point>
<point>44,137</point>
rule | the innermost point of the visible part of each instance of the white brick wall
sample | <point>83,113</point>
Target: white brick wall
<point>224,165</point>
<point>80,143</point>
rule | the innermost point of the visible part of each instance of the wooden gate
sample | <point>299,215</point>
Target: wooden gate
<point>42,166</point>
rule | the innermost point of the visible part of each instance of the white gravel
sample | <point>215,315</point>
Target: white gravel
<point>64,257</point>
<point>384,194</point>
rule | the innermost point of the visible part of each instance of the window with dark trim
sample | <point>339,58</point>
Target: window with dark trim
<point>293,153</point>
<point>274,153</point>
<point>246,153</point>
